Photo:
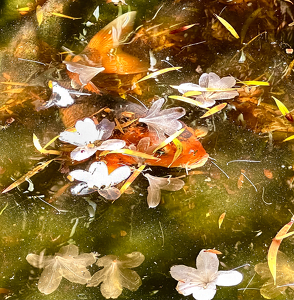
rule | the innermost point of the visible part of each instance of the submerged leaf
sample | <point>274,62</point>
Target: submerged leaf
<point>156,184</point>
<point>116,275</point>
<point>214,110</point>
<point>274,247</point>
<point>155,74</point>
<point>66,263</point>
<point>285,275</point>
<point>228,26</point>
<point>28,175</point>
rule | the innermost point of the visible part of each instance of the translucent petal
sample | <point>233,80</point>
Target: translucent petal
<point>186,87</point>
<point>50,278</point>
<point>39,261</point>
<point>85,259</point>
<point>225,82</point>
<point>168,184</point>
<point>207,263</point>
<point>73,271</point>
<point>223,95</point>
<point>153,197</point>
<point>69,250</point>
<point>164,121</point>
<point>186,274</point>
<point>229,278</point>
<point>113,144</point>
<point>111,193</point>
<point>83,152</point>
<point>131,260</point>
<point>115,274</point>
<point>130,279</point>
<point>86,73</point>
<point>105,128</point>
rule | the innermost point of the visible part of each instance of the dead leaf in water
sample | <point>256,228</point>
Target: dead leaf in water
<point>116,275</point>
<point>66,263</point>
<point>285,275</point>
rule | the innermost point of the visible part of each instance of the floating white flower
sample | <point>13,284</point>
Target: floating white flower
<point>210,81</point>
<point>61,96</point>
<point>202,282</point>
<point>165,121</point>
<point>156,184</point>
<point>98,179</point>
<point>86,136</point>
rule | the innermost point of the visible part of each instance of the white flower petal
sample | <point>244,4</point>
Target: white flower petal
<point>119,174</point>
<point>81,153</point>
<point>205,293</point>
<point>183,273</point>
<point>113,144</point>
<point>229,278</point>
<point>80,175</point>
<point>207,263</point>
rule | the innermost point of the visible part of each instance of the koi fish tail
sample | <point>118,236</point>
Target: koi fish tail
<point>113,34</point>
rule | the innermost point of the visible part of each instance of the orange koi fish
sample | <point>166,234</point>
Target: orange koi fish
<point>104,53</point>
<point>192,156</point>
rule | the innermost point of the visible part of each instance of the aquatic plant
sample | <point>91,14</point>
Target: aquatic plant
<point>202,282</point>
<point>97,179</point>
<point>163,121</point>
<point>86,134</point>
<point>210,81</point>
<point>67,263</point>
<point>156,184</point>
<point>116,275</point>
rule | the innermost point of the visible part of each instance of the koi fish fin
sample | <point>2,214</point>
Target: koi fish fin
<point>123,63</point>
<point>113,34</point>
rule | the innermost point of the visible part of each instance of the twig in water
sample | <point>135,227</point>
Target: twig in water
<point>139,101</point>
<point>263,198</point>
<point>161,234</point>
<point>249,181</point>
<point>220,169</point>
<point>246,287</point>
<point>193,44</point>
<point>244,160</point>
